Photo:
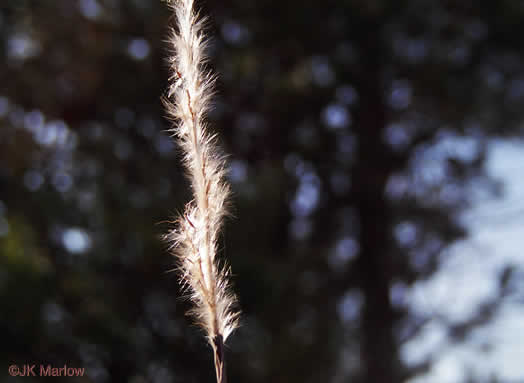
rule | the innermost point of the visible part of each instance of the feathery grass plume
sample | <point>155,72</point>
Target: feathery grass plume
<point>194,241</point>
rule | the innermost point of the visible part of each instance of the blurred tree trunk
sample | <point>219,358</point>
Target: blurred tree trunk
<point>373,168</point>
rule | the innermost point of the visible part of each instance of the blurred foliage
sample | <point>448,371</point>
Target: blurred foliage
<point>356,130</point>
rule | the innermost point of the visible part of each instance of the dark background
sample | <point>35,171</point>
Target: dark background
<point>329,111</point>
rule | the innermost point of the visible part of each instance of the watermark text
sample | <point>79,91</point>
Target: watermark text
<point>44,370</point>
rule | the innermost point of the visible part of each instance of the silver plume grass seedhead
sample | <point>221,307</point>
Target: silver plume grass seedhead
<point>194,240</point>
